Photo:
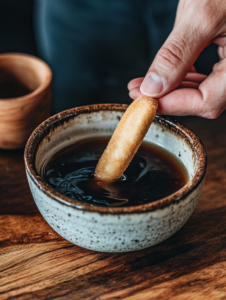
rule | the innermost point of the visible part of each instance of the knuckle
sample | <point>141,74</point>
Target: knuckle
<point>172,53</point>
<point>207,109</point>
<point>219,72</point>
<point>220,67</point>
<point>212,115</point>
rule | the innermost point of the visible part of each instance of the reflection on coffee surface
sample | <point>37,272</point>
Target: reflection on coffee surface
<point>154,173</point>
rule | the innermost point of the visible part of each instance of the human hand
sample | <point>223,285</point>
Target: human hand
<point>172,78</point>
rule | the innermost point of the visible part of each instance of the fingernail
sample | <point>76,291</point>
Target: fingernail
<point>152,85</point>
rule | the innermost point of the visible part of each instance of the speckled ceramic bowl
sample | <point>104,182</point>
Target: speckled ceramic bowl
<point>113,229</point>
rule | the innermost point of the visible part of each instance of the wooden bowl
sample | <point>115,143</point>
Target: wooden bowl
<point>26,82</point>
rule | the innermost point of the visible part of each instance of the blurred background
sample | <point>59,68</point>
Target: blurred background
<point>16,26</point>
<point>17,34</point>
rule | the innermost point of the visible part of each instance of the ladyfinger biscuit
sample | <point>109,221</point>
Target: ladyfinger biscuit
<point>126,139</point>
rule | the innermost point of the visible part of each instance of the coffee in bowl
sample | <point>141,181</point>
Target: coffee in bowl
<point>154,173</point>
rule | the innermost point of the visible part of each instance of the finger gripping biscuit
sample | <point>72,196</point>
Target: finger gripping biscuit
<point>126,139</point>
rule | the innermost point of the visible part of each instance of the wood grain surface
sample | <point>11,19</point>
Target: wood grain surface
<point>36,263</point>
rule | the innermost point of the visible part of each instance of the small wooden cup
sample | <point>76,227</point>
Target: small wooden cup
<point>21,115</point>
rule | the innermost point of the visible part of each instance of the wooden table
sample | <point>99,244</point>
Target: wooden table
<point>36,263</point>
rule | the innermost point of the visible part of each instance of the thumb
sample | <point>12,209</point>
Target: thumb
<point>173,61</point>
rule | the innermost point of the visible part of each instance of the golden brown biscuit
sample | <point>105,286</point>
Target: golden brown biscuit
<point>126,139</point>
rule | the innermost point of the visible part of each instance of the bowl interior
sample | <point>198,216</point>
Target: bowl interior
<point>72,125</point>
<point>103,123</point>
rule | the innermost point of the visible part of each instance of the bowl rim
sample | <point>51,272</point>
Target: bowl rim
<point>47,126</point>
<point>43,86</point>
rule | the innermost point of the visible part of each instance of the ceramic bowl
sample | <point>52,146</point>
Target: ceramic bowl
<point>113,229</point>
<point>20,115</point>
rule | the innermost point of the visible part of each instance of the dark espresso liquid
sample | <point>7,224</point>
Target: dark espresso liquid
<point>13,90</point>
<point>154,173</point>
